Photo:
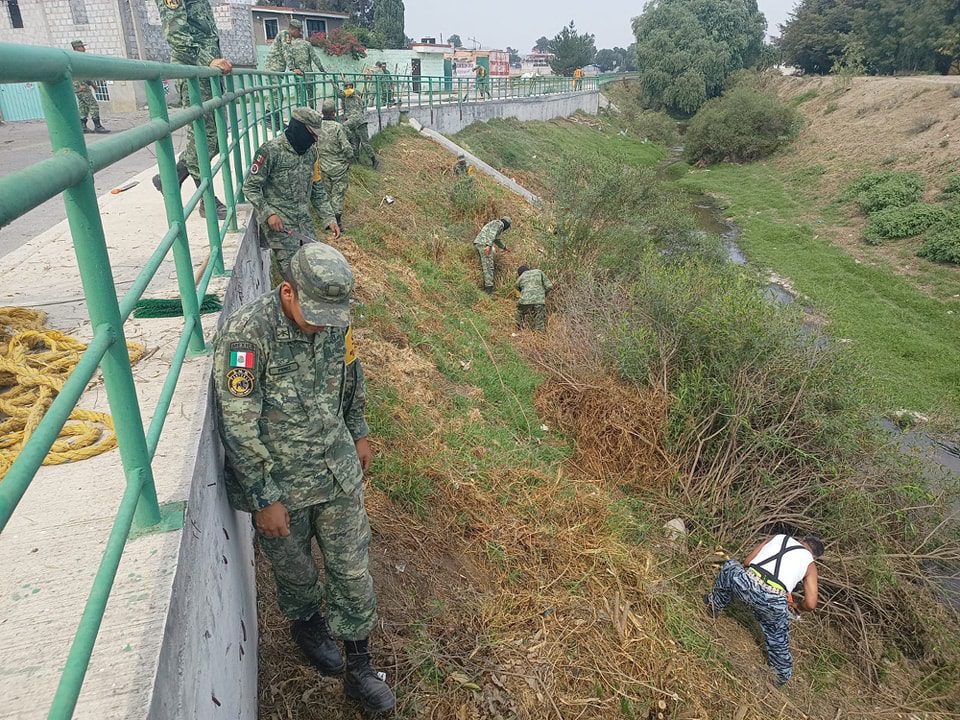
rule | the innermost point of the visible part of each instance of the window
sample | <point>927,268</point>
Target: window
<point>271,28</point>
<point>16,19</point>
<point>100,91</point>
<point>315,25</point>
<point>78,10</point>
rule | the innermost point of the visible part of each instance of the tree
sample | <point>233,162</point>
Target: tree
<point>543,44</point>
<point>362,13</point>
<point>896,35</point>
<point>571,50</point>
<point>619,59</point>
<point>514,55</point>
<point>388,22</point>
<point>455,41</point>
<point>686,49</point>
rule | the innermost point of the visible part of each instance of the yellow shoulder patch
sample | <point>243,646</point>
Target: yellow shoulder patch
<point>172,4</point>
<point>351,354</point>
<point>316,170</point>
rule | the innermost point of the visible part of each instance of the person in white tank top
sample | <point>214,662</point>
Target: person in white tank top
<point>765,582</point>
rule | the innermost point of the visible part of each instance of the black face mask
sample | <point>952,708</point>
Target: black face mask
<point>299,136</point>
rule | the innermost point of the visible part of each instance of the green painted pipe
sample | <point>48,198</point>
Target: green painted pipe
<point>170,383</point>
<point>142,281</point>
<point>22,191</point>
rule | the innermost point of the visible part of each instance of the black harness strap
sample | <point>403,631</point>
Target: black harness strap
<point>776,559</point>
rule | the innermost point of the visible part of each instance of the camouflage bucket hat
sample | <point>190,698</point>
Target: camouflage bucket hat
<point>324,283</point>
<point>298,24</point>
<point>328,106</point>
<point>77,44</point>
<point>309,117</point>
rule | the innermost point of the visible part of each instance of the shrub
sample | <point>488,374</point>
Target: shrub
<point>895,223</point>
<point>942,243</point>
<point>741,126</point>
<point>832,107</point>
<point>922,124</point>
<point>339,42</point>
<point>470,201</point>
<point>875,191</point>
<point>951,191</point>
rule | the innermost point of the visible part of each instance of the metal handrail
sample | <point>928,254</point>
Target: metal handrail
<point>247,107</point>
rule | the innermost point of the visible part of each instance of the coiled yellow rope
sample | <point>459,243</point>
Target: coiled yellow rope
<point>35,362</point>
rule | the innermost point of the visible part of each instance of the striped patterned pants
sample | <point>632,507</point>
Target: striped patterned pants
<point>769,607</point>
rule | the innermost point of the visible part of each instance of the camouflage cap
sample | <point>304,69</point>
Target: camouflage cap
<point>324,283</point>
<point>309,117</point>
<point>298,24</point>
<point>328,106</point>
<point>77,44</point>
<point>507,223</point>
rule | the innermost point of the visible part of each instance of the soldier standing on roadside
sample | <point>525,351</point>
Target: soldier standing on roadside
<point>335,155</point>
<point>355,110</point>
<point>290,398</point>
<point>282,186</point>
<point>299,57</point>
<point>89,107</point>
<point>486,241</point>
<point>191,32</point>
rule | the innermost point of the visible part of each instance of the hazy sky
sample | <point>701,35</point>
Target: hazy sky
<point>518,23</point>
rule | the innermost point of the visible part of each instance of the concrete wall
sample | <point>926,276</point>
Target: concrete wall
<point>450,119</point>
<point>210,639</point>
<point>398,61</point>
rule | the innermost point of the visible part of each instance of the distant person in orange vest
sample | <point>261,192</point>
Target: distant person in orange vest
<point>578,79</point>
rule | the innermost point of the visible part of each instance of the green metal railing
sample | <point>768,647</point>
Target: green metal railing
<point>248,107</point>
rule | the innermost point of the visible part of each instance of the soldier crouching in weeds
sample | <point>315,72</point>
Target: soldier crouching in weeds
<point>291,395</point>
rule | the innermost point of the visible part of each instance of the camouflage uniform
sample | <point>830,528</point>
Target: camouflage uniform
<point>276,62</point>
<point>532,304</point>
<point>291,409</point>
<point>335,154</point>
<point>769,607</point>
<point>486,243</point>
<point>284,183</point>
<point>299,56</point>
<point>191,32</point>
<point>460,168</point>
<point>355,111</point>
<point>89,107</point>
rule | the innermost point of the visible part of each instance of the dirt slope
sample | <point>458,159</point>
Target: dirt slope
<point>891,123</point>
<point>518,578</point>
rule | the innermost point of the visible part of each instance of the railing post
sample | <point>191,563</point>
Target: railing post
<point>235,135</point>
<point>262,94</point>
<point>245,114</point>
<point>209,196</point>
<point>227,172</point>
<point>167,162</point>
<point>83,215</point>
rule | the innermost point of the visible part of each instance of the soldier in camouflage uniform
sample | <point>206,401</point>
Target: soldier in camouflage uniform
<point>533,287</point>
<point>486,241</point>
<point>336,154</point>
<point>290,398</point>
<point>89,107</point>
<point>191,32</point>
<point>298,54</point>
<point>284,183</point>
<point>355,110</point>
<point>276,62</point>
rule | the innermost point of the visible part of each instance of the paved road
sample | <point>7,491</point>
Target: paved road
<point>24,143</point>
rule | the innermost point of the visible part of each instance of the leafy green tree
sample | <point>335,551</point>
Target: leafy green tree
<point>571,50</point>
<point>388,22</point>
<point>543,44</point>
<point>618,58</point>
<point>455,41</point>
<point>514,55</point>
<point>686,49</point>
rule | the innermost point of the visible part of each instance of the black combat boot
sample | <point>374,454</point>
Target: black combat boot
<point>488,289</point>
<point>98,128</point>
<point>83,124</point>
<point>221,208</point>
<point>313,637</point>
<point>375,162</point>
<point>182,174</point>
<point>340,222</point>
<point>362,683</point>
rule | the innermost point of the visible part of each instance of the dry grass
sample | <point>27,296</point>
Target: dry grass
<point>522,593</point>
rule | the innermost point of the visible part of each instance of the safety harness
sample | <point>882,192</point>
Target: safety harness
<point>772,578</point>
